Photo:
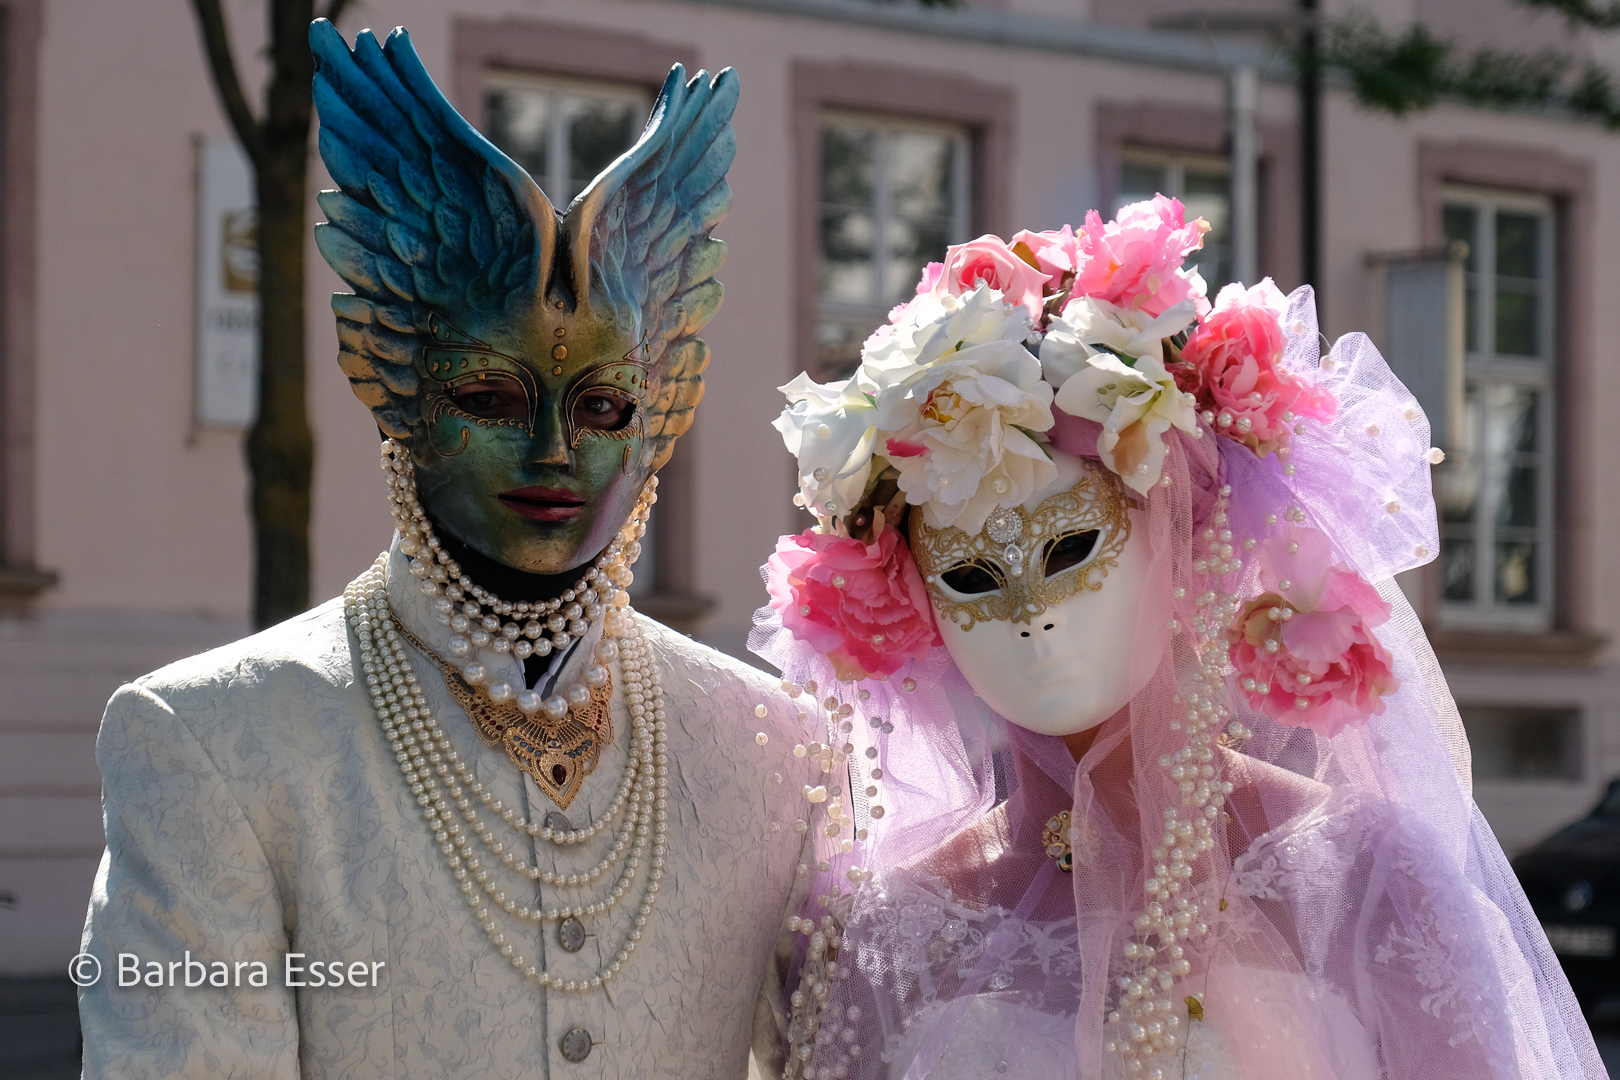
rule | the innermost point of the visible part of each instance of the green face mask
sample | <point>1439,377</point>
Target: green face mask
<point>533,465</point>
<point>538,366</point>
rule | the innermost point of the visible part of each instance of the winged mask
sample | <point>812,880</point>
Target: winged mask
<point>462,269</point>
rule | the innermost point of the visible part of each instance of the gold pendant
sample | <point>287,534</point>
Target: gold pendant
<point>1055,838</point>
<point>557,754</point>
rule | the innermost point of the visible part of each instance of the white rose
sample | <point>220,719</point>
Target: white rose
<point>957,433</point>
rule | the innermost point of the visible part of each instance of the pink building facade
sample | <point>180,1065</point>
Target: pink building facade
<point>124,537</point>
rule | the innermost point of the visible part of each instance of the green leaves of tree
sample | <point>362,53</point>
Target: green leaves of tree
<point>1411,71</point>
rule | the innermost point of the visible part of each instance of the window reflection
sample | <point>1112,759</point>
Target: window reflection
<point>1492,490</point>
<point>893,197</point>
<point>564,134</point>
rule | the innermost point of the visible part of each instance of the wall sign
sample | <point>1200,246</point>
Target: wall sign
<point>227,286</point>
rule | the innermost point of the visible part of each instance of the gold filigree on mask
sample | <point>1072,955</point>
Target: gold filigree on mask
<point>1014,547</point>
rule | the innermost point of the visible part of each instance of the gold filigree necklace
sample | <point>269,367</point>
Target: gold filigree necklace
<point>557,754</point>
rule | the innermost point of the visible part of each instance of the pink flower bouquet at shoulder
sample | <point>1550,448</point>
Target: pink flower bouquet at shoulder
<point>1304,650</point>
<point>863,605</point>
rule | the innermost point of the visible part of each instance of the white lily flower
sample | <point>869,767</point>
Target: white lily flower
<point>1136,405</point>
<point>1088,326</point>
<point>830,429</point>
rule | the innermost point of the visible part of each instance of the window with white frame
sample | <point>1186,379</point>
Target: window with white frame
<point>894,194</point>
<point>1201,183</point>
<point>1496,487</point>
<point>563,131</point>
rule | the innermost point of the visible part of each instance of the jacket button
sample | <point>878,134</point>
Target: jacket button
<point>575,1045</point>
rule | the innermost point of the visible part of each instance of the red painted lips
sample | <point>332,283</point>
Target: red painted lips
<point>543,503</point>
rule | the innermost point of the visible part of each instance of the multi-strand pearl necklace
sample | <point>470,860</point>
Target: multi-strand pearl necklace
<point>426,757</point>
<point>479,619</point>
<point>1145,1017</point>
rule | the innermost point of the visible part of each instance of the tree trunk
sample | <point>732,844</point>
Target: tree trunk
<point>281,447</point>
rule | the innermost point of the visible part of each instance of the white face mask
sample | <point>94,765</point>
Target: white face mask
<point>1067,668</point>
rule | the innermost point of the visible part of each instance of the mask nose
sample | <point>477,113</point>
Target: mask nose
<point>1047,622</point>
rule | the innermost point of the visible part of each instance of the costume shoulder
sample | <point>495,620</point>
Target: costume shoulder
<point>704,665</point>
<point>305,657</point>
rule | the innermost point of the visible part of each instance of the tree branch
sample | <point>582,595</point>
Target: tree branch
<point>1599,16</point>
<point>217,44</point>
<point>334,10</point>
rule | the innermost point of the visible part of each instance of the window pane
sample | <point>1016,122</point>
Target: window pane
<point>1459,489</point>
<point>599,130</point>
<point>1516,496</point>
<point>1141,180</point>
<point>1518,245</point>
<point>914,242</point>
<point>1457,569</point>
<point>1511,418</point>
<point>838,346</point>
<point>1516,572</point>
<point>518,124</point>
<point>848,161</point>
<point>1458,477</point>
<point>1517,321</point>
<point>847,269</point>
<point>1207,195</point>
<point>920,166</point>
<point>1459,223</point>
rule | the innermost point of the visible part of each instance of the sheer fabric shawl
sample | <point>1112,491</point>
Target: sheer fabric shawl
<point>1362,920</point>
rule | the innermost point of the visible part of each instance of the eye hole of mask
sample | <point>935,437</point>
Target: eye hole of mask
<point>495,398</point>
<point>603,410</point>
<point>970,579</point>
<point>1070,551</point>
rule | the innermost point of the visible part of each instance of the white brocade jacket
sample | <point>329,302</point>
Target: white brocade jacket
<point>254,809</point>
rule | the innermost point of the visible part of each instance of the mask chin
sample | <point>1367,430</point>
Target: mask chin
<point>1073,665</point>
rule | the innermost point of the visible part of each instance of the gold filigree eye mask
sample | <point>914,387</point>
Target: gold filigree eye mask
<point>1022,562</point>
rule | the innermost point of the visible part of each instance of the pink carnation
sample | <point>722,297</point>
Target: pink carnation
<point>861,605</point>
<point>1135,260</point>
<point>1231,365</point>
<point>1328,670</point>
<point>989,260</point>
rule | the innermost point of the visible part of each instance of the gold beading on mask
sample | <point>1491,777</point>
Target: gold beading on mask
<point>1012,547</point>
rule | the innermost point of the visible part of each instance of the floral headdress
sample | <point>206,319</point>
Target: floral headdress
<point>953,412</point>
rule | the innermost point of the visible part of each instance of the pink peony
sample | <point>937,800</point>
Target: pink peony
<point>861,605</point>
<point>1304,650</point>
<point>1135,260</point>
<point>989,260</point>
<point>1056,254</point>
<point>1231,365</point>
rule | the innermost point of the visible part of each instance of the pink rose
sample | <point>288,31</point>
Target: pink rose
<point>1230,364</point>
<point>1304,650</point>
<point>1056,254</point>
<point>989,260</point>
<point>861,605</point>
<point>1135,260</point>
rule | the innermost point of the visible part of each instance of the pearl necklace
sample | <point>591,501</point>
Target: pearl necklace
<point>426,757</point>
<point>523,629</point>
